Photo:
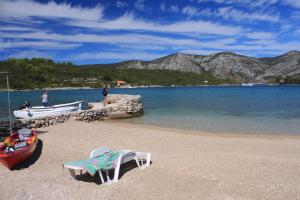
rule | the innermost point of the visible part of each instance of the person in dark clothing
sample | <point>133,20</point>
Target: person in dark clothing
<point>105,93</point>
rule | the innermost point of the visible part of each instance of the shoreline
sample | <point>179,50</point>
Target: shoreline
<point>126,124</point>
<point>151,86</point>
<point>199,132</point>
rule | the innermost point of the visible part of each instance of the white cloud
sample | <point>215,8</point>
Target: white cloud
<point>121,4</point>
<point>117,56</point>
<point>140,34</point>
<point>245,3</point>
<point>172,8</point>
<point>286,27</point>
<point>16,28</point>
<point>266,45</point>
<point>31,54</point>
<point>37,45</point>
<point>163,7</point>
<point>200,51</point>
<point>207,12</point>
<point>92,18</point>
<point>295,16</point>
<point>130,22</point>
<point>137,41</point>
<point>190,11</point>
<point>260,3</point>
<point>19,9</point>
<point>142,47</point>
<point>261,35</point>
<point>119,39</point>
<point>292,3</point>
<point>140,5</point>
<point>231,13</point>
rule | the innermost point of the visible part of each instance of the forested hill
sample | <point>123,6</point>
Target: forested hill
<point>41,73</point>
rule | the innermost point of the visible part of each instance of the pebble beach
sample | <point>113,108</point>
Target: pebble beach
<point>185,164</point>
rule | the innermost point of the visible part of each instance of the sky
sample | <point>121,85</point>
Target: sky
<point>108,31</point>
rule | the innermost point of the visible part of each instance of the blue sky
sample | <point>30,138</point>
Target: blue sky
<point>105,31</point>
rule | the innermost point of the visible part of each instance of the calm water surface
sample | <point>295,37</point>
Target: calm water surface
<point>233,109</point>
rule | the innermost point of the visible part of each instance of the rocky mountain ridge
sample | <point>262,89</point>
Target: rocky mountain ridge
<point>224,65</point>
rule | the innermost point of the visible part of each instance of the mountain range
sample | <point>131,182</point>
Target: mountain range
<point>175,69</point>
<point>223,65</point>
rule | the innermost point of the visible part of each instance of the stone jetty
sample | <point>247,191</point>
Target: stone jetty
<point>121,103</point>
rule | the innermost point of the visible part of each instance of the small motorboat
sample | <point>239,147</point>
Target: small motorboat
<point>41,111</point>
<point>18,147</point>
<point>247,84</point>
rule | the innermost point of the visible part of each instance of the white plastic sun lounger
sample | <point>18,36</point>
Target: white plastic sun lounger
<point>125,156</point>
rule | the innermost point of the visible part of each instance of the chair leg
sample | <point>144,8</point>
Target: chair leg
<point>108,181</point>
<point>72,172</point>
<point>148,159</point>
<point>101,177</point>
<point>117,170</point>
<point>137,162</point>
<point>142,164</point>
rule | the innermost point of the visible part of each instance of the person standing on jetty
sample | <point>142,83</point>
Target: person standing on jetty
<point>45,99</point>
<point>105,93</point>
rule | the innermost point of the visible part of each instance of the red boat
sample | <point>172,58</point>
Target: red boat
<point>17,148</point>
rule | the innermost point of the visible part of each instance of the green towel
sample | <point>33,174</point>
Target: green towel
<point>104,162</point>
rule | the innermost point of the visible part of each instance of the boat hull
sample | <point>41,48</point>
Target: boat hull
<point>10,160</point>
<point>40,112</point>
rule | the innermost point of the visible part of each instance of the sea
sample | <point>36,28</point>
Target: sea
<point>260,109</point>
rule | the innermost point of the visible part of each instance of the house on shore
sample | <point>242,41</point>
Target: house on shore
<point>121,83</point>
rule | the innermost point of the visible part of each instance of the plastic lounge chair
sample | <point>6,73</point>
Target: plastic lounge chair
<point>125,155</point>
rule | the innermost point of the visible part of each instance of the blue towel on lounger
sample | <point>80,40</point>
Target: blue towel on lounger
<point>103,162</point>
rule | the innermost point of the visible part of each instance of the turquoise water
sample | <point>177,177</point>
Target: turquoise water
<point>233,109</point>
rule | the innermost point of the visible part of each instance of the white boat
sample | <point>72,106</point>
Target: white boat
<point>247,84</point>
<point>41,111</point>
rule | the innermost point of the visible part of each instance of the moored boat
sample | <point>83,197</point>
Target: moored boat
<point>18,147</point>
<point>247,84</point>
<point>41,111</point>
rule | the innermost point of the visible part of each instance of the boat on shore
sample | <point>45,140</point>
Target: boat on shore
<point>18,147</point>
<point>41,111</point>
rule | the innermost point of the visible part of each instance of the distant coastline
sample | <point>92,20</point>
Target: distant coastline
<point>142,86</point>
<point>37,89</point>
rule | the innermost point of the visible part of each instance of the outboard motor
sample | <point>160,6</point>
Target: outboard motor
<point>25,105</point>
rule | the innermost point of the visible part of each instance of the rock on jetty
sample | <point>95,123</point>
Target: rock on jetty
<point>129,105</point>
<point>86,115</point>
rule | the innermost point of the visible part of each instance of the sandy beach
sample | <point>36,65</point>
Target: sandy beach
<point>194,165</point>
